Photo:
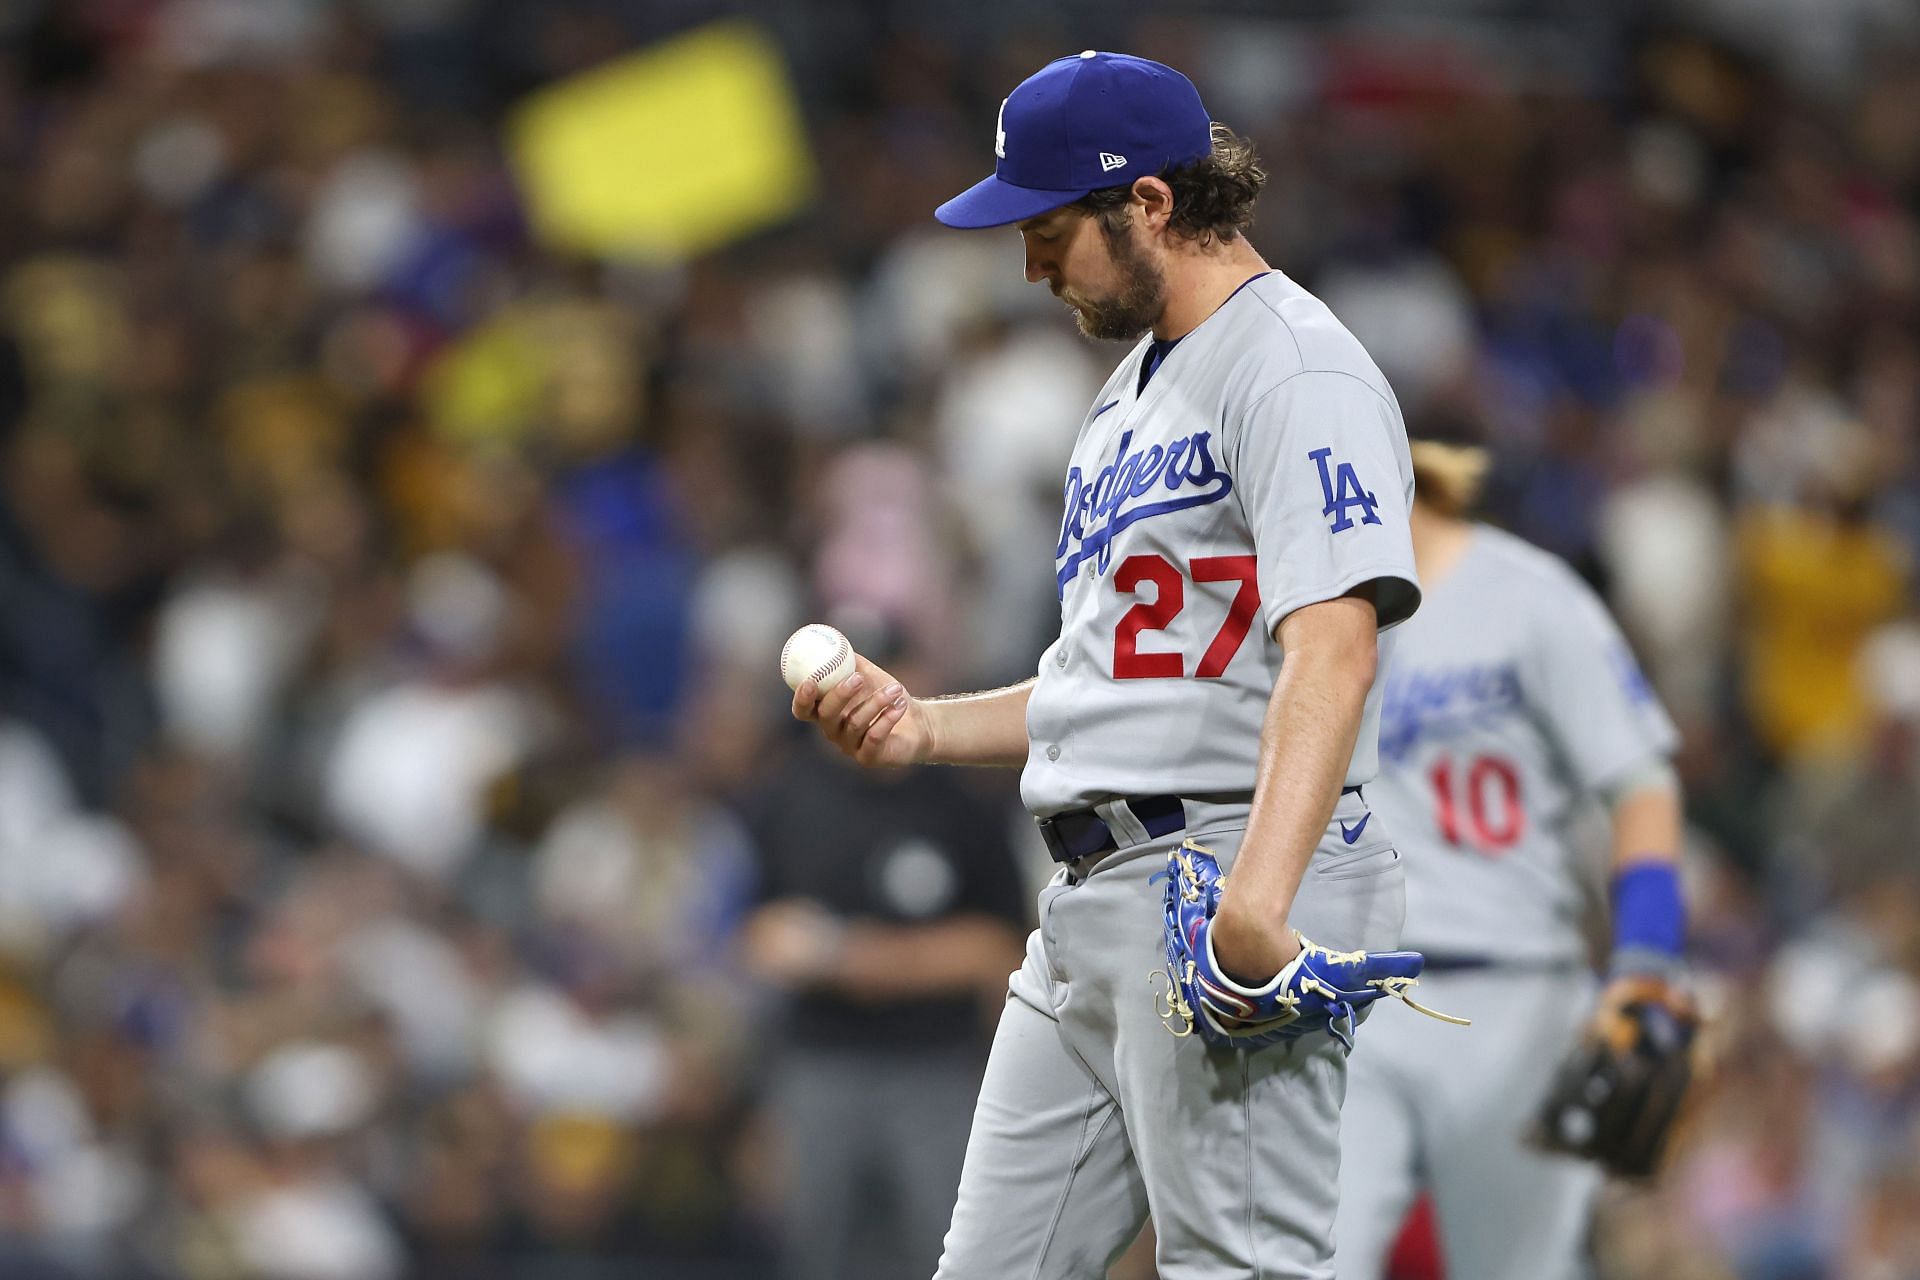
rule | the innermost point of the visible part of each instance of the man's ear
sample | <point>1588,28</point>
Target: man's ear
<point>1155,201</point>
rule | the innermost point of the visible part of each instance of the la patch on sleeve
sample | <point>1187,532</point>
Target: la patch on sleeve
<point>1342,491</point>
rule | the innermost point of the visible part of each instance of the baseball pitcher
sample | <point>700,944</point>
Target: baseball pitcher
<point>1233,549</point>
<point>1514,698</point>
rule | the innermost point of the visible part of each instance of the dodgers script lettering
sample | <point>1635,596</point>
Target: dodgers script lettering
<point>1126,490</point>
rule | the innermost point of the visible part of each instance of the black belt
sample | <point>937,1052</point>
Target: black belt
<point>1468,963</point>
<point>1082,833</point>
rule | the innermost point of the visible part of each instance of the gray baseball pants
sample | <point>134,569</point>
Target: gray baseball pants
<point>1433,1105</point>
<point>1093,1114</point>
<point>854,1122</point>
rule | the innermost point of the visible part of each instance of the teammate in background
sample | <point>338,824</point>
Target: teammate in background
<point>891,907</point>
<point>1238,490</point>
<point>1512,699</point>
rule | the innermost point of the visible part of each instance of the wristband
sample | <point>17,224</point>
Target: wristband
<point>1649,918</point>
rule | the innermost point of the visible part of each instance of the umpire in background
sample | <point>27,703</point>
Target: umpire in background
<point>890,911</point>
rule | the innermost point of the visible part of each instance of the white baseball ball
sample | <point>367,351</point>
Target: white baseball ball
<point>816,652</point>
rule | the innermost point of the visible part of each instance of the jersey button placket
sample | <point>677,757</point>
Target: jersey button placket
<point>1053,752</point>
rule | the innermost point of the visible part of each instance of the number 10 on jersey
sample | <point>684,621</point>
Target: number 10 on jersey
<point>1170,598</point>
<point>1476,804</point>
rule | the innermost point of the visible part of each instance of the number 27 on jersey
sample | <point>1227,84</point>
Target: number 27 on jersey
<point>1131,662</point>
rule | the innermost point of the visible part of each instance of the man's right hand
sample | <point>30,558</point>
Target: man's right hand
<point>869,716</point>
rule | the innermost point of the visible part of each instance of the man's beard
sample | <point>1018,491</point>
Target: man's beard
<point>1132,311</point>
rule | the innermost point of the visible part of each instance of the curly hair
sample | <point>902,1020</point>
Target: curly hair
<point>1212,196</point>
<point>1448,477</point>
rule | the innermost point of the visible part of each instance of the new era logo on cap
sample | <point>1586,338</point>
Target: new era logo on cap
<point>1067,129</point>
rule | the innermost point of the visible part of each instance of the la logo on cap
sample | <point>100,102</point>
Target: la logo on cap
<point>1109,162</point>
<point>1000,131</point>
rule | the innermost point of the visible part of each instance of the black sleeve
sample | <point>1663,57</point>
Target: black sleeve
<point>759,814</point>
<point>992,884</point>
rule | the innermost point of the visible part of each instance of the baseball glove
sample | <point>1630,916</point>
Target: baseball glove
<point>1319,990</point>
<point>1617,1095</point>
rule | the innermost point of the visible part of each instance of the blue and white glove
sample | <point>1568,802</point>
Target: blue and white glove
<point>1319,990</point>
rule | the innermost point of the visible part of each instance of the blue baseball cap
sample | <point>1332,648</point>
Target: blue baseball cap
<point>1078,124</point>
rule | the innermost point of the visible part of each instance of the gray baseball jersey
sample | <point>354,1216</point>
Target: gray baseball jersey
<point>1513,695</point>
<point>1264,467</point>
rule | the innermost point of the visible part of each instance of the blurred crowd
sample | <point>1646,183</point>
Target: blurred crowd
<point>391,740</point>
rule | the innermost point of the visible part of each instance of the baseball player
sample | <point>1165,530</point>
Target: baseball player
<point>1512,699</point>
<point>1239,492</point>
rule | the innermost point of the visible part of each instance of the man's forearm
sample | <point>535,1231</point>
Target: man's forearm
<point>988,728</point>
<point>1646,825</point>
<point>1649,910</point>
<point>895,962</point>
<point>1313,719</point>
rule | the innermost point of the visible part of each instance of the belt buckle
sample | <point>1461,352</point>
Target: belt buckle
<point>1079,869</point>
